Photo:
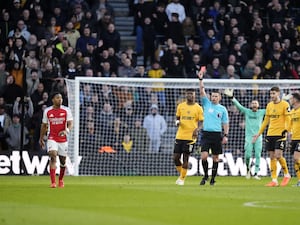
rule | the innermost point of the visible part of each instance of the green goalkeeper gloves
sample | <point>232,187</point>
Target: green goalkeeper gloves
<point>286,97</point>
<point>229,93</point>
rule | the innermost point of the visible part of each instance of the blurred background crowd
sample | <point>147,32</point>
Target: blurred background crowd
<point>43,42</point>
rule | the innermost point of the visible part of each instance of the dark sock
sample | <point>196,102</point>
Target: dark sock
<point>205,168</point>
<point>214,170</point>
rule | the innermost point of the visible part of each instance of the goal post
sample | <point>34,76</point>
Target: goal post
<point>112,136</point>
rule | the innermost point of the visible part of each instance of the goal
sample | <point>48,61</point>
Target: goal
<point>116,134</point>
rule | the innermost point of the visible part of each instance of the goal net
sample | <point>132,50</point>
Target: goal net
<point>115,132</point>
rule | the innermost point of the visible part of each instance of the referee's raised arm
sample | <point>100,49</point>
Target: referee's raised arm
<point>201,85</point>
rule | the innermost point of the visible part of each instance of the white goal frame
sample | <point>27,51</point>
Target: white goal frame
<point>147,82</point>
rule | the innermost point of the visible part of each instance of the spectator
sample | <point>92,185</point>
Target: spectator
<point>124,97</point>
<point>140,72</point>
<point>127,143</point>
<point>6,25</point>
<point>175,7</point>
<point>28,113</point>
<point>100,7</point>
<point>233,61</point>
<point>32,82</point>
<point>241,57</point>
<point>157,72</point>
<point>217,52</point>
<point>88,20</point>
<point>37,97</point>
<point>13,134</point>
<point>148,41</point>
<point>106,95</point>
<point>111,38</point>
<point>89,141</point>
<point>86,94</point>
<point>5,122</point>
<point>32,44</point>
<point>139,136</point>
<point>156,126</point>
<point>176,69</point>
<point>248,70</point>
<point>128,117</point>
<point>195,66</point>
<point>210,37</point>
<point>188,28</point>
<point>71,72</point>
<point>84,40</point>
<point>126,70</point>
<point>275,67</point>
<point>175,30</point>
<point>59,15</point>
<point>88,114</point>
<point>215,70</point>
<point>230,73</point>
<point>49,77</point>
<point>106,70</point>
<point>169,53</point>
<point>3,74</point>
<point>21,30</point>
<point>67,57</point>
<point>257,31</point>
<point>11,91</point>
<point>160,19</point>
<point>106,125</point>
<point>71,34</point>
<point>103,23</point>
<point>16,62</point>
<point>142,11</point>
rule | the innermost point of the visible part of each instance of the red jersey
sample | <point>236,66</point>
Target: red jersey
<point>57,118</point>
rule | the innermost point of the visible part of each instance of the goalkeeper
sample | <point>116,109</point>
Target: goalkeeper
<point>253,118</point>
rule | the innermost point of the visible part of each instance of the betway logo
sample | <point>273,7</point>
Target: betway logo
<point>230,166</point>
<point>36,165</point>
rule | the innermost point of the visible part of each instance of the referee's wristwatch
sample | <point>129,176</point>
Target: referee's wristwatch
<point>225,135</point>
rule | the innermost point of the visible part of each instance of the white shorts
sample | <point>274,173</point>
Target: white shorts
<point>60,147</point>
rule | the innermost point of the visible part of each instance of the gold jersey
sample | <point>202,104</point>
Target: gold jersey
<point>277,117</point>
<point>295,124</point>
<point>189,116</point>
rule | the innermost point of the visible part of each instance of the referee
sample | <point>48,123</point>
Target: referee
<point>215,129</point>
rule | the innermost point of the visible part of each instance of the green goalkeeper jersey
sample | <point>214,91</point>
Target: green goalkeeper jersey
<point>253,119</point>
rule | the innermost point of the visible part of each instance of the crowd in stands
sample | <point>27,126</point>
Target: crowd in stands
<point>43,42</point>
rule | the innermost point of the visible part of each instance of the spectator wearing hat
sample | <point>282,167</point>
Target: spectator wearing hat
<point>13,134</point>
<point>156,126</point>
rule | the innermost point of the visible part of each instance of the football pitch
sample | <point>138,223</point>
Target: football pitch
<point>133,200</point>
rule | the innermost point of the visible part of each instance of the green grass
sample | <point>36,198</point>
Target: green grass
<point>28,200</point>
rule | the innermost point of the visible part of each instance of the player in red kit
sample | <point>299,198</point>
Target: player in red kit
<point>56,123</point>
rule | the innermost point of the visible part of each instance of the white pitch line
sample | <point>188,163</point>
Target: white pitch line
<point>268,204</point>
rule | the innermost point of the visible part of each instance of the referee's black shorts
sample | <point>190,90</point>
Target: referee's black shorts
<point>211,141</point>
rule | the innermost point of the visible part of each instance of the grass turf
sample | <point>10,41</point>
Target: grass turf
<point>28,200</point>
